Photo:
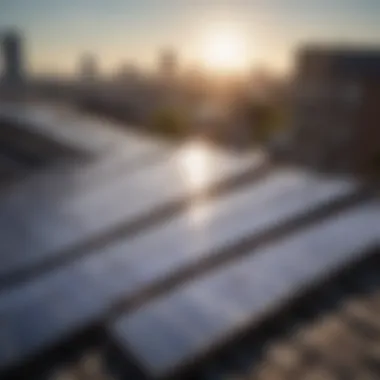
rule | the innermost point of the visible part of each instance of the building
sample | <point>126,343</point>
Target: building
<point>88,67</point>
<point>336,108</point>
<point>127,73</point>
<point>12,58</point>
<point>168,64</point>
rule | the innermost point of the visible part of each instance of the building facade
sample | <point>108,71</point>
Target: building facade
<point>12,58</point>
<point>337,108</point>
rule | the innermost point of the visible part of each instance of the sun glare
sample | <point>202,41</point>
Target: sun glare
<point>225,50</point>
<point>194,165</point>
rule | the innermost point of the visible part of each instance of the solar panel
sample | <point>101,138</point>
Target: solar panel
<point>9,166</point>
<point>35,227</point>
<point>54,307</point>
<point>62,126</point>
<point>133,155</point>
<point>200,233</point>
<point>178,327</point>
<point>72,129</point>
<point>127,267</point>
<point>121,152</point>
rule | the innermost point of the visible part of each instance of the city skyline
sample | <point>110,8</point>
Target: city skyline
<point>260,33</point>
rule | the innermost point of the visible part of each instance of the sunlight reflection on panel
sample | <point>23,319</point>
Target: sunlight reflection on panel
<point>195,165</point>
<point>199,212</point>
<point>195,162</point>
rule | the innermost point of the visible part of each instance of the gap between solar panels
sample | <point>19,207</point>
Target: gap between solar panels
<point>25,271</point>
<point>175,329</point>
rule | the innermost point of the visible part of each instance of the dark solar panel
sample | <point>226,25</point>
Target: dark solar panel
<point>154,238</point>
<point>182,325</point>
<point>35,226</point>
<point>126,268</point>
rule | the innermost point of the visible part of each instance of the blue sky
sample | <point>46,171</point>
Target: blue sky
<point>58,31</point>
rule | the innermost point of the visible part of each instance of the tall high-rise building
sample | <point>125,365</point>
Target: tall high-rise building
<point>88,67</point>
<point>127,72</point>
<point>168,63</point>
<point>12,57</point>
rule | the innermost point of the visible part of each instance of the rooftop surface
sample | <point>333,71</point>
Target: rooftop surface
<point>172,252</point>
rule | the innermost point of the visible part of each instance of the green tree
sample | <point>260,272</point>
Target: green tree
<point>265,120</point>
<point>171,122</point>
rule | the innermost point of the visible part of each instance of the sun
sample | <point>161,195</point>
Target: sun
<point>225,50</point>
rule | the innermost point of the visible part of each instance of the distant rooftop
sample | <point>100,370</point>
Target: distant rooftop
<point>342,60</point>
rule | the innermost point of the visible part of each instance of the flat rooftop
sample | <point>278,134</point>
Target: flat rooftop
<point>171,251</point>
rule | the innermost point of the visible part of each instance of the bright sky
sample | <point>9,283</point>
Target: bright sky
<point>262,32</point>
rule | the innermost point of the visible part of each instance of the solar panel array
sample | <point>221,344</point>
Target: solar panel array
<point>163,246</point>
